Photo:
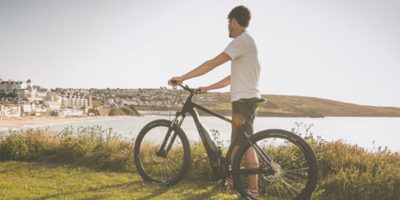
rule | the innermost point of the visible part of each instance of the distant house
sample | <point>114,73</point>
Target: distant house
<point>10,86</point>
<point>27,107</point>
<point>72,112</point>
<point>73,101</point>
<point>40,109</point>
<point>30,93</point>
<point>109,100</point>
<point>53,105</point>
<point>115,105</point>
<point>10,111</point>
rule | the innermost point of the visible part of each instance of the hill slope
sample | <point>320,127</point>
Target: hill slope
<point>298,106</point>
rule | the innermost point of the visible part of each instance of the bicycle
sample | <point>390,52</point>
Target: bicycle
<point>287,168</point>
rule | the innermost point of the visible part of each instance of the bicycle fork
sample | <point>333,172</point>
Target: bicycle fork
<point>162,152</point>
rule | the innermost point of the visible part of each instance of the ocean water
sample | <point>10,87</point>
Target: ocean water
<point>367,132</point>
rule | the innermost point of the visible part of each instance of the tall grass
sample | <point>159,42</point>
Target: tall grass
<point>88,146</point>
<point>346,171</point>
<point>352,172</point>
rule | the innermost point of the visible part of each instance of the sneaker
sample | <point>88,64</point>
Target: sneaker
<point>229,186</point>
<point>229,183</point>
<point>253,192</point>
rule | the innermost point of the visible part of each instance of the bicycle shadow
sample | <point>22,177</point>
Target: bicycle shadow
<point>188,195</point>
<point>156,193</point>
<point>189,192</point>
<point>91,190</point>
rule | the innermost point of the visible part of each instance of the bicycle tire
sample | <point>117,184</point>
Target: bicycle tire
<point>289,143</point>
<point>140,154</point>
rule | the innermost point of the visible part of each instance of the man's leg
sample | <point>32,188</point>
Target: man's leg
<point>250,155</point>
<point>234,150</point>
<point>237,121</point>
<point>243,119</point>
<point>252,162</point>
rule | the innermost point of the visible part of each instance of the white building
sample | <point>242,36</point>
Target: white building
<point>53,105</point>
<point>10,86</point>
<point>109,101</point>
<point>72,112</point>
<point>27,107</point>
<point>28,92</point>
<point>40,109</point>
<point>32,107</point>
<point>10,111</point>
<point>73,101</point>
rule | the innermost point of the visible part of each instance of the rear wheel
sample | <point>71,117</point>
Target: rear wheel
<point>161,167</point>
<point>293,172</point>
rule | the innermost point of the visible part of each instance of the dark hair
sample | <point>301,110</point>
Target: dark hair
<point>241,14</point>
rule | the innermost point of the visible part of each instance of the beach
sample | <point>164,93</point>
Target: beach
<point>14,122</point>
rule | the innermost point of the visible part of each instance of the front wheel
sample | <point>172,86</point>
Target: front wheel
<point>165,167</point>
<point>291,174</point>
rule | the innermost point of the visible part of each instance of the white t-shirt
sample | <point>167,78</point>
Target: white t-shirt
<point>245,68</point>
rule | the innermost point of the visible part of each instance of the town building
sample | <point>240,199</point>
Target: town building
<point>76,101</point>
<point>10,86</point>
<point>22,98</point>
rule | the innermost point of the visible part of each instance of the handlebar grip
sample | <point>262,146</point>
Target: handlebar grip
<point>174,81</point>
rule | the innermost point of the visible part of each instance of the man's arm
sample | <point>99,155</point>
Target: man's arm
<point>220,84</point>
<point>203,68</point>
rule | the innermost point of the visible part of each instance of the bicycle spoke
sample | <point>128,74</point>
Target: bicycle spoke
<point>293,182</point>
<point>293,176</point>
<point>174,165</point>
<point>277,189</point>
<point>297,170</point>
<point>291,160</point>
<point>290,187</point>
<point>168,170</point>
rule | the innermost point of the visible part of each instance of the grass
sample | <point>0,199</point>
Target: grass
<point>92,163</point>
<point>32,180</point>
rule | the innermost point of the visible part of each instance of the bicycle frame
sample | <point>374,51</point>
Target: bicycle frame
<point>212,150</point>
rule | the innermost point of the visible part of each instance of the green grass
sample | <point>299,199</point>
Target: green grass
<point>32,180</point>
<point>92,163</point>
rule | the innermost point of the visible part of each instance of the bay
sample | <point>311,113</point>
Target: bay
<point>367,132</point>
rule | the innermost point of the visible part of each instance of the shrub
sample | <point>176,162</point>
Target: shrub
<point>94,111</point>
<point>116,111</point>
<point>127,111</point>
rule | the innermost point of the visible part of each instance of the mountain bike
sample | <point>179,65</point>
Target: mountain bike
<point>287,167</point>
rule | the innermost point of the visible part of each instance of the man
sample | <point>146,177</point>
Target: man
<point>245,70</point>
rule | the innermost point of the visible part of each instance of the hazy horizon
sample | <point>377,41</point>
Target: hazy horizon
<point>346,51</point>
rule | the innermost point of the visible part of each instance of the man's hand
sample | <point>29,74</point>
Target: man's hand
<point>178,80</point>
<point>203,89</point>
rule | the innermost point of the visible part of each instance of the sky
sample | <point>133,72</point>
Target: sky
<point>345,50</point>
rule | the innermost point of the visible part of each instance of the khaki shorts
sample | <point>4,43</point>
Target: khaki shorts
<point>243,113</point>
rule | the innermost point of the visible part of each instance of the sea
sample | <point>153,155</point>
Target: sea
<point>371,133</point>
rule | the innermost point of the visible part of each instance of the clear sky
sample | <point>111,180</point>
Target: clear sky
<point>346,50</point>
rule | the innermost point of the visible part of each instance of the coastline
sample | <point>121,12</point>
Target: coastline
<point>17,122</point>
<point>21,122</point>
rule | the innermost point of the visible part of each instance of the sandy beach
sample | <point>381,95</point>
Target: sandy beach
<point>15,122</point>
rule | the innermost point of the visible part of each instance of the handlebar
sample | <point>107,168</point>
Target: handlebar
<point>187,88</point>
<point>191,90</point>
